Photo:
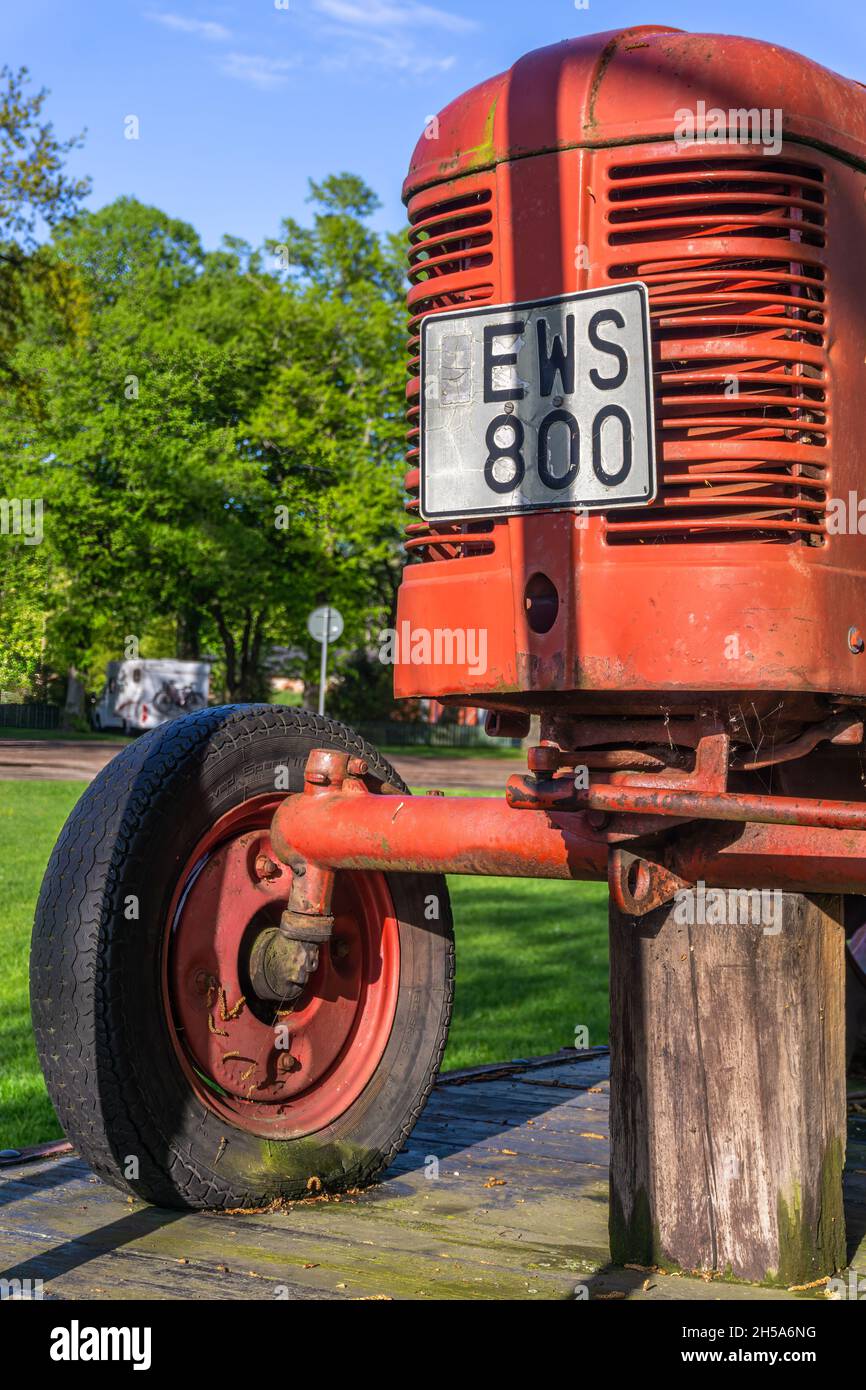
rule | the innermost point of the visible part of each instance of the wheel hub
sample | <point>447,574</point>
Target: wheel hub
<point>280,966</point>
<point>278,1034</point>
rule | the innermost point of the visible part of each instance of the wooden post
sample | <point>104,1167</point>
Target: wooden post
<point>728,1110</point>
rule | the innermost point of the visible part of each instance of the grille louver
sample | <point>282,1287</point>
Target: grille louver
<point>452,245</point>
<point>732,252</point>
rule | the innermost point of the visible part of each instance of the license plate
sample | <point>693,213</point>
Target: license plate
<point>538,407</point>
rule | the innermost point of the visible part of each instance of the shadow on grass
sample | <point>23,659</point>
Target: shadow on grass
<point>531,967</point>
<point>26,1113</point>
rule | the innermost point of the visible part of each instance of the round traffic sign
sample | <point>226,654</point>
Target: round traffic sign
<point>325,619</point>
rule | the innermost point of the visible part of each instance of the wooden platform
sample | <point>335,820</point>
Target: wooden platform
<point>518,1210</point>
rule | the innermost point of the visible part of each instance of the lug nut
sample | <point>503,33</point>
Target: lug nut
<point>266,868</point>
<point>357,767</point>
<point>287,1063</point>
<point>855,640</point>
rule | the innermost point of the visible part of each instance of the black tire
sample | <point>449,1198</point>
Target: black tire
<point>101,1029</point>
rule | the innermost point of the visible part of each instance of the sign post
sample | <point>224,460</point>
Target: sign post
<point>324,625</point>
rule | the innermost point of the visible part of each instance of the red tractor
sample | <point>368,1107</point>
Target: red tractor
<point>636,385</point>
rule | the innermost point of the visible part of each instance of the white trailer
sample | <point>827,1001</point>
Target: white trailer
<point>139,695</point>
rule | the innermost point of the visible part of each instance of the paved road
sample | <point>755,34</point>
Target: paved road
<point>68,760</point>
<point>54,760</point>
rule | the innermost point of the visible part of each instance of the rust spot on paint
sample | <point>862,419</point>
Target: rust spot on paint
<point>604,59</point>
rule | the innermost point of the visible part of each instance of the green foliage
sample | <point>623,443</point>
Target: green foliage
<point>33,184</point>
<point>221,448</point>
<point>23,593</point>
<point>35,192</point>
<point>364,691</point>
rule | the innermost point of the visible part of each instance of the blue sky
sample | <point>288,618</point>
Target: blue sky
<point>240,101</point>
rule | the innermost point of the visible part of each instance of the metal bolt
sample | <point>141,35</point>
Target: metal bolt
<point>856,643</point>
<point>509,407</point>
<point>266,868</point>
<point>544,758</point>
<point>286,1062</point>
<point>557,401</point>
<point>357,767</point>
<point>434,793</point>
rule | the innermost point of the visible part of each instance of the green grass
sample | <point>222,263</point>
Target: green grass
<point>531,967</point>
<point>31,814</point>
<point>531,960</point>
<point>292,700</point>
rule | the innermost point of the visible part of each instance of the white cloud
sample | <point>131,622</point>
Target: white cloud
<point>383,51</point>
<point>359,34</point>
<point>352,34</point>
<point>380,14</point>
<point>202,28</point>
<point>256,69</point>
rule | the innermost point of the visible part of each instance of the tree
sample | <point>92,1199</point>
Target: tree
<point>337,396</point>
<point>222,448</point>
<point>35,192</point>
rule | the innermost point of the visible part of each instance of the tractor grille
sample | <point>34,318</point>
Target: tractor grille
<point>732,252</point>
<point>452,245</point>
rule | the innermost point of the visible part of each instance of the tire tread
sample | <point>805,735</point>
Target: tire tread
<point>71,975</point>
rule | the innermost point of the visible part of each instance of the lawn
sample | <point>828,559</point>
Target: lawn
<point>531,960</point>
<point>31,814</point>
<point>290,699</point>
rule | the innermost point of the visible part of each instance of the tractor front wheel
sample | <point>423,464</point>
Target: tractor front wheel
<point>173,1078</point>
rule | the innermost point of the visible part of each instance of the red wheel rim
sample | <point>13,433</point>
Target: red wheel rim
<point>277,1072</point>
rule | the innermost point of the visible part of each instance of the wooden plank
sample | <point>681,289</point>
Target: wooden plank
<point>492,1071</point>
<point>330,1249</point>
<point>541,1234</point>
